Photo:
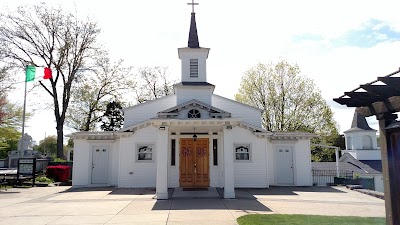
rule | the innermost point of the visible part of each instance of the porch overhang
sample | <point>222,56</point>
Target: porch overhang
<point>86,135</point>
<point>291,136</point>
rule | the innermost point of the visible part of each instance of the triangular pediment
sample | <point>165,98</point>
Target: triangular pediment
<point>211,111</point>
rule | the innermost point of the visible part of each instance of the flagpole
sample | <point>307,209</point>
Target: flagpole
<point>23,120</point>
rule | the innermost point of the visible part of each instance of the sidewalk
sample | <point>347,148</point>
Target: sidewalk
<point>62,205</point>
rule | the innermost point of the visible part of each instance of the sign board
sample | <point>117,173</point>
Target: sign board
<point>27,167</point>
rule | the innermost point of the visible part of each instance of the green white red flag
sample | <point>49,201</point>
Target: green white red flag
<point>31,72</point>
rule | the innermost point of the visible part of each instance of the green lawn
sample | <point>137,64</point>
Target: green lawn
<point>275,219</point>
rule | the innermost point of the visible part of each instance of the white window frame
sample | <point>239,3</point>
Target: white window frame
<point>141,145</point>
<point>246,145</point>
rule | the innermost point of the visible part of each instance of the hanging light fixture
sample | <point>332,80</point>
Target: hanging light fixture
<point>194,134</point>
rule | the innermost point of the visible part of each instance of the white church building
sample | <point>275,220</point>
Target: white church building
<point>192,139</point>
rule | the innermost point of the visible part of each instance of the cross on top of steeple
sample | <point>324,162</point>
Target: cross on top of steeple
<point>193,4</point>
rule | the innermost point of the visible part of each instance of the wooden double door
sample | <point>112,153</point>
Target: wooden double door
<point>194,162</point>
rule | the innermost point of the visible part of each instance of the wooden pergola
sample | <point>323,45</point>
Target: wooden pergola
<point>381,98</point>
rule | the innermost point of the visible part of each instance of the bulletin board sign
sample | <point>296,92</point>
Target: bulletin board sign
<point>27,167</point>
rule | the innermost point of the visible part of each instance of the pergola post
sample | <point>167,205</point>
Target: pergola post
<point>389,183</point>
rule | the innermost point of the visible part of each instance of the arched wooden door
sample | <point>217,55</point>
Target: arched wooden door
<point>194,163</point>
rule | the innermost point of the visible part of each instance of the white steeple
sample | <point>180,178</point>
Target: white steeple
<point>193,56</point>
<point>193,83</point>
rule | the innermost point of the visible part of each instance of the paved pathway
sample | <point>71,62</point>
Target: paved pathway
<point>62,205</point>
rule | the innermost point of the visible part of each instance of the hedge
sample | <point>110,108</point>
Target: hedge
<point>58,173</point>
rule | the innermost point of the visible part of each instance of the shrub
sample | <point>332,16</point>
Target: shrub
<point>44,179</point>
<point>59,160</point>
<point>58,173</point>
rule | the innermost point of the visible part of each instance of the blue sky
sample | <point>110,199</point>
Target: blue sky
<point>369,34</point>
<point>339,44</point>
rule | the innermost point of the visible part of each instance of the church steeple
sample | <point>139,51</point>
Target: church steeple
<point>193,83</point>
<point>193,57</point>
<point>360,122</point>
<point>193,41</point>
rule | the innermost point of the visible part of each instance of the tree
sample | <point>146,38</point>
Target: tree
<point>48,146</point>
<point>113,118</point>
<point>9,137</point>
<point>153,83</point>
<point>6,79</point>
<point>290,102</point>
<point>3,103</point>
<point>50,37</point>
<point>10,122</point>
<point>90,97</point>
<point>11,114</point>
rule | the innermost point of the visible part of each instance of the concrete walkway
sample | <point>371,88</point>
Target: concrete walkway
<point>63,205</point>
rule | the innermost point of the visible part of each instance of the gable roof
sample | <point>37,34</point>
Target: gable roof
<point>330,168</point>
<point>374,164</point>
<point>346,157</point>
<point>194,102</point>
<point>233,101</point>
<point>149,102</point>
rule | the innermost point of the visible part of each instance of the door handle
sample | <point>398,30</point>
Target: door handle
<point>195,166</point>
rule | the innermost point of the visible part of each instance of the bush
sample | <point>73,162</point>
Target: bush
<point>44,179</point>
<point>59,160</point>
<point>58,173</point>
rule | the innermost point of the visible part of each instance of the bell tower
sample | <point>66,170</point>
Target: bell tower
<point>193,58</point>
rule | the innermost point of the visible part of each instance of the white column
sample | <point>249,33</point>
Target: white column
<point>229,189</point>
<point>162,164</point>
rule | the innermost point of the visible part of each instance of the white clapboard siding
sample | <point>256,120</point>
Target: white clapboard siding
<point>251,173</point>
<point>303,170</point>
<point>114,163</point>
<point>270,148</point>
<point>248,114</point>
<point>301,161</point>
<point>82,164</point>
<point>186,93</point>
<point>201,54</point>
<point>145,111</point>
<point>82,172</point>
<point>134,173</point>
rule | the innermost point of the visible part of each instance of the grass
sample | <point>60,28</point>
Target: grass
<point>258,219</point>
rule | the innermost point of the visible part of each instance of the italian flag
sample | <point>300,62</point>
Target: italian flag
<point>31,72</point>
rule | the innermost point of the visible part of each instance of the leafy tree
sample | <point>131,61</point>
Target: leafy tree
<point>11,114</point>
<point>321,154</point>
<point>3,102</point>
<point>90,97</point>
<point>153,83</point>
<point>113,118</point>
<point>50,37</point>
<point>70,143</point>
<point>48,146</point>
<point>10,122</point>
<point>290,102</point>
<point>6,78</point>
<point>9,137</point>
